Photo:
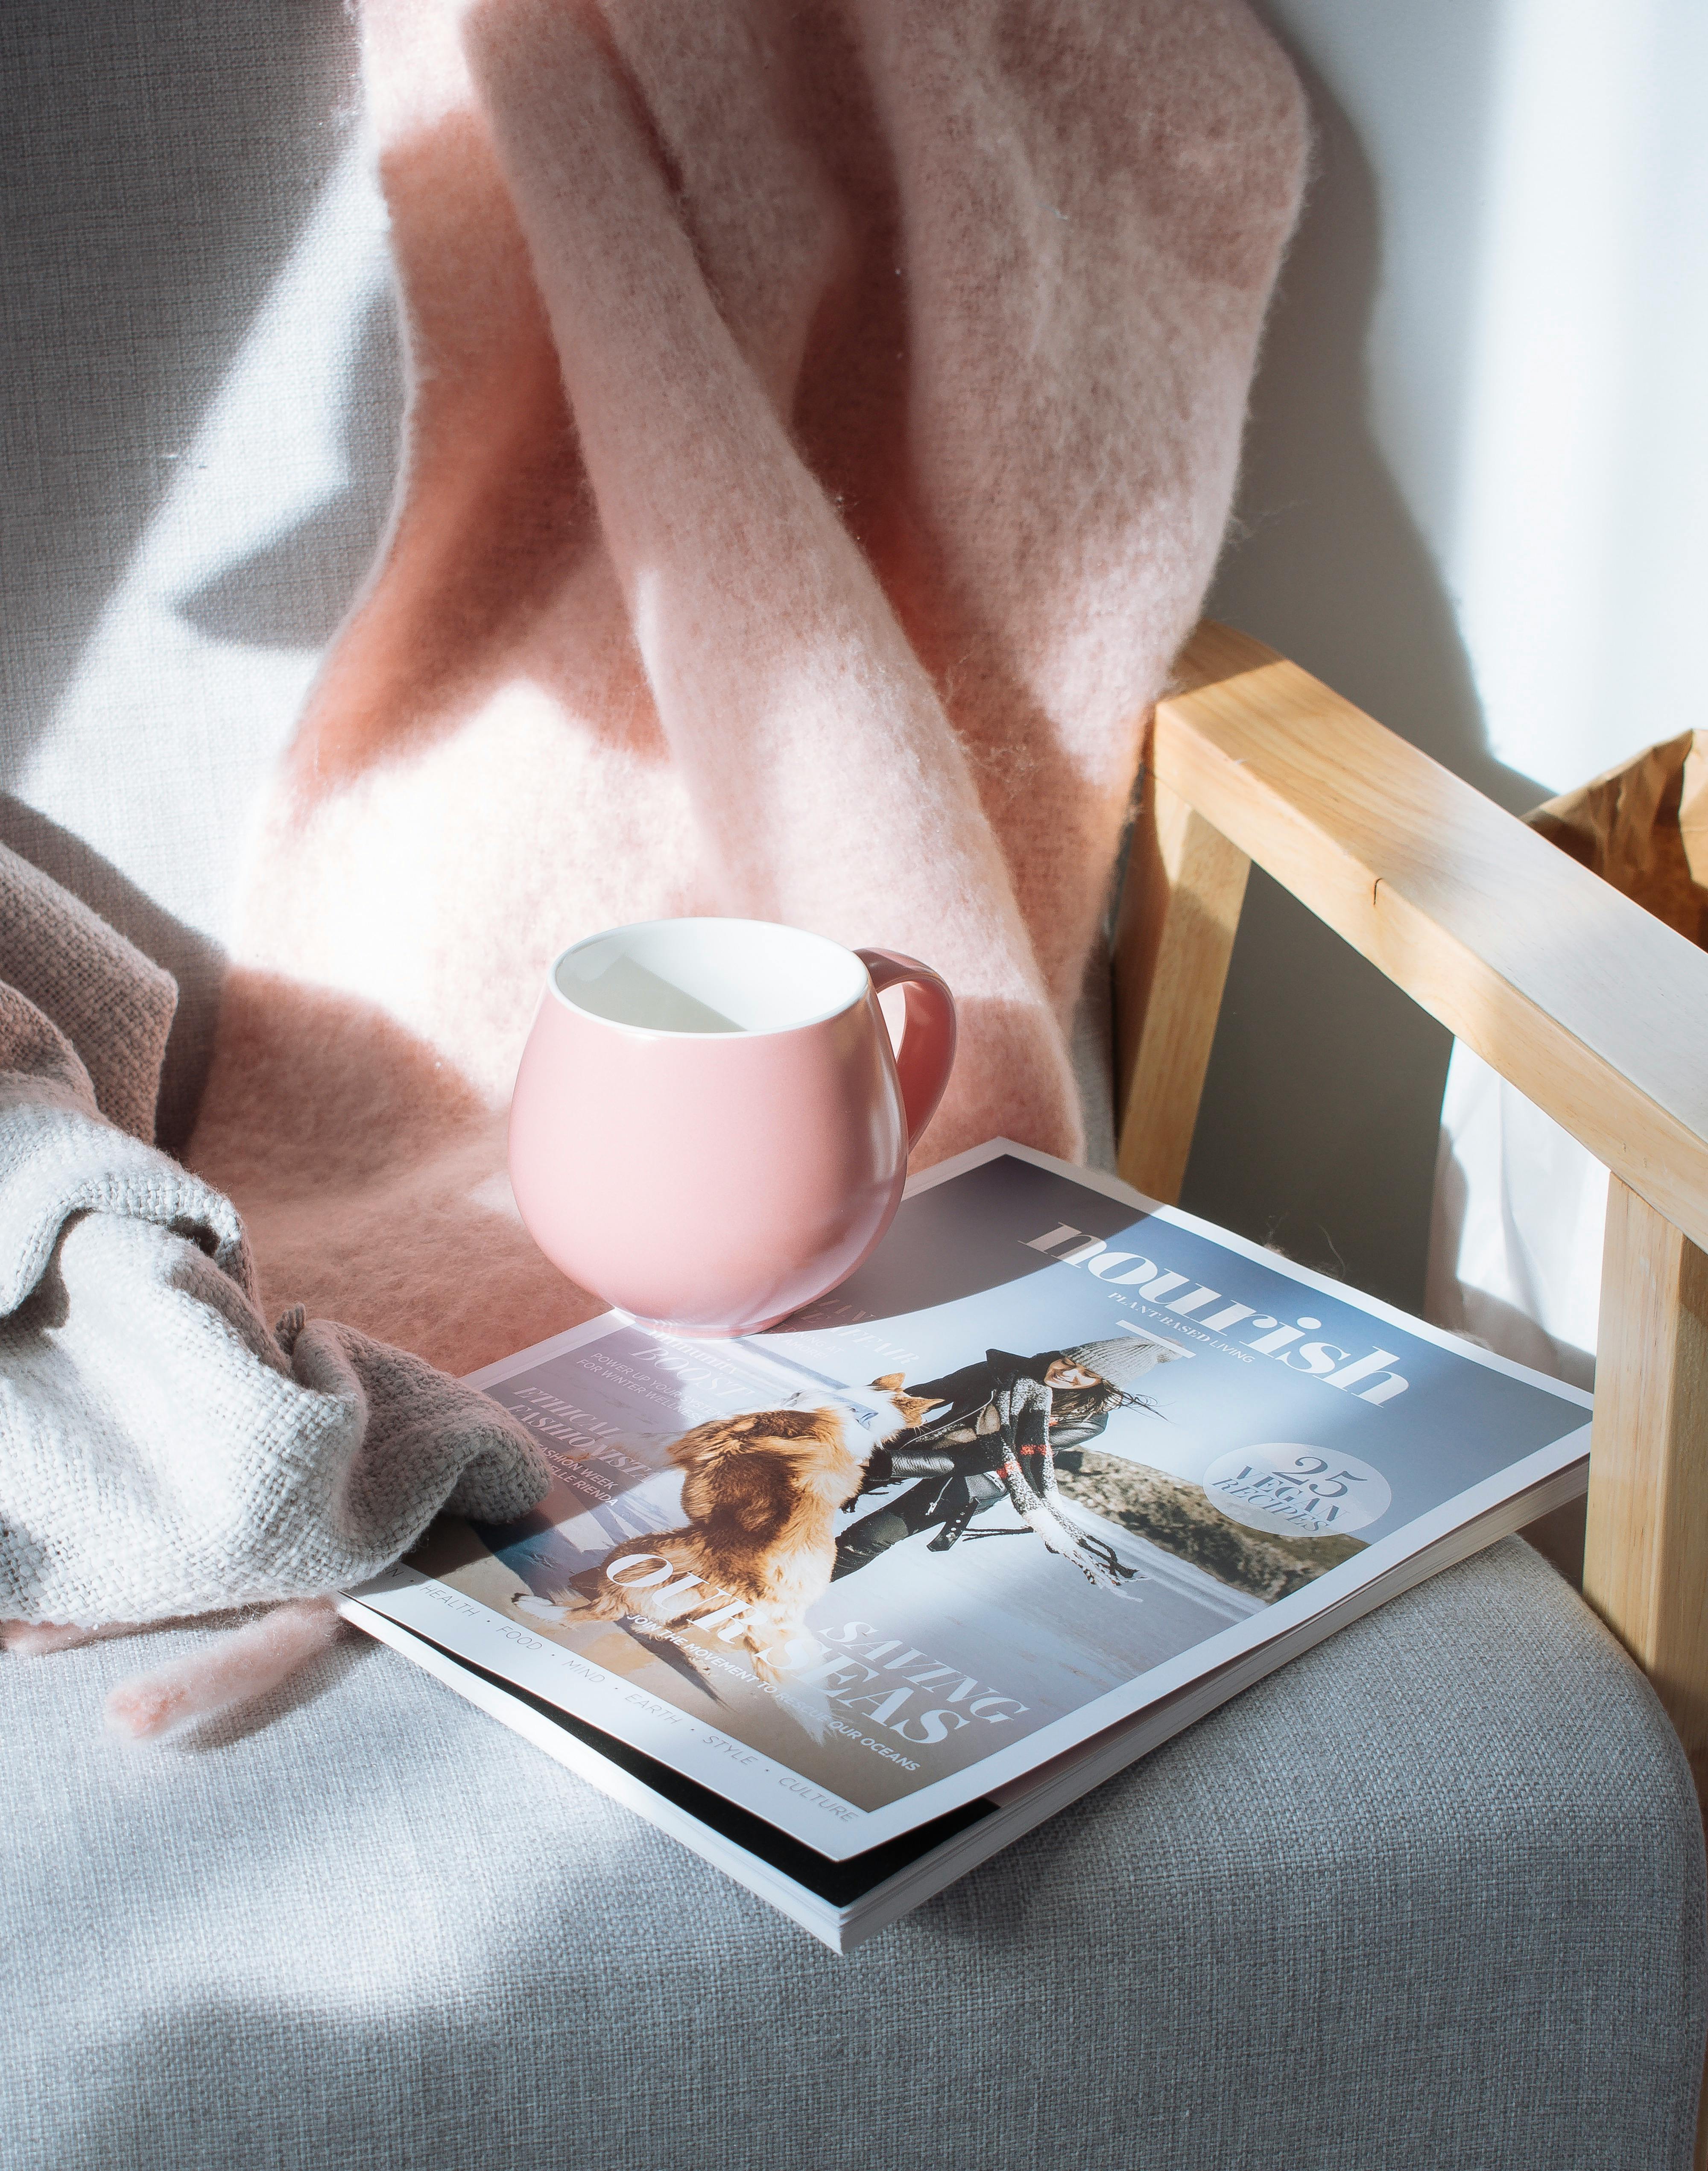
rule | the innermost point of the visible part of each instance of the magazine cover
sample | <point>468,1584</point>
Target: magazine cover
<point>1048,1456</point>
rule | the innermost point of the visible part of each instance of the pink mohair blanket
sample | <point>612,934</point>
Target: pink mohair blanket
<point>822,423</point>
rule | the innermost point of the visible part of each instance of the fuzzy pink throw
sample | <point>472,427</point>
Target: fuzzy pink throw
<point>822,423</point>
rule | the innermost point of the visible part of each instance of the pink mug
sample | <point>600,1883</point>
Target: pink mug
<point>709,1128</point>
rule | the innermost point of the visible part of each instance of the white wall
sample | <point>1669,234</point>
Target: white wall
<point>1472,501</point>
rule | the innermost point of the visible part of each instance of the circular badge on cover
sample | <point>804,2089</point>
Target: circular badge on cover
<point>1296,1491</point>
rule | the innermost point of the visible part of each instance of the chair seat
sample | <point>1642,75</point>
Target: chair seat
<point>1432,1895</point>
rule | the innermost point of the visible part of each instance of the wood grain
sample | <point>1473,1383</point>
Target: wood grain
<point>1646,1549</point>
<point>1180,911</point>
<point>1587,1004</point>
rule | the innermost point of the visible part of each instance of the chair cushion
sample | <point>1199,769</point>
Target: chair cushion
<point>1431,1896</point>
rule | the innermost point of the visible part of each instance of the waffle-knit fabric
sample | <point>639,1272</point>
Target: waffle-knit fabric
<point>161,1451</point>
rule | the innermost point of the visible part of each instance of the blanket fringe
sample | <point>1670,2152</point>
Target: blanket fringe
<point>238,1668</point>
<point>37,1639</point>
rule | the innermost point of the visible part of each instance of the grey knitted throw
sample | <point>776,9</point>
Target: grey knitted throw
<point>162,1450</point>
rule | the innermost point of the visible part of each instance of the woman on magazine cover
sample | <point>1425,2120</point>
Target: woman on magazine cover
<point>1007,1420</point>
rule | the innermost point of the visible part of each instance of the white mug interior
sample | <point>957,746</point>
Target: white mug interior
<point>709,976</point>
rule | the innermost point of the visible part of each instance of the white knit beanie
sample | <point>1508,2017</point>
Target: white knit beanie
<point>1120,1362</point>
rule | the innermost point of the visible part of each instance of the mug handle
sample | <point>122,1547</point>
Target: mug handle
<point>927,1055</point>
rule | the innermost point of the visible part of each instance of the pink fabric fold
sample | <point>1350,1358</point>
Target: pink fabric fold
<point>822,424</point>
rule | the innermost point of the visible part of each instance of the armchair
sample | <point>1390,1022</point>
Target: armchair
<point>1430,1897</point>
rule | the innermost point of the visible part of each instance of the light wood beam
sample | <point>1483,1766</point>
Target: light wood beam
<point>1180,911</point>
<point>1590,1005</point>
<point>1645,1551</point>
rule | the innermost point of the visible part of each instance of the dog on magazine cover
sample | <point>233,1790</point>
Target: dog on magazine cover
<point>761,1492</point>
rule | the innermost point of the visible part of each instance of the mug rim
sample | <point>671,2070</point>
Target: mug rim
<point>706,920</point>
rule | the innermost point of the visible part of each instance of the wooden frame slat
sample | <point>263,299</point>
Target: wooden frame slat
<point>1180,912</point>
<point>1645,1550</point>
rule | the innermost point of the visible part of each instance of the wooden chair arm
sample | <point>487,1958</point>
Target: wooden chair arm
<point>1594,1009</point>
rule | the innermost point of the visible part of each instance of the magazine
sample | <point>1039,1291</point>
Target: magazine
<point>848,1604</point>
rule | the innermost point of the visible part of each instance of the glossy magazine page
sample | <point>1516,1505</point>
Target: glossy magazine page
<point>1049,1455</point>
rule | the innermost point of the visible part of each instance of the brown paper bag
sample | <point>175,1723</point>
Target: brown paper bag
<point>1643,826</point>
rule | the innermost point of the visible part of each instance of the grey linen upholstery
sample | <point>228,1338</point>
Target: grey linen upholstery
<point>1432,1897</point>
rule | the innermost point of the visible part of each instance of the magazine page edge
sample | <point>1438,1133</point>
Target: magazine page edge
<point>1302,1607</point>
<point>775,1887</point>
<point>1144,1732</point>
<point>555,1345</point>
